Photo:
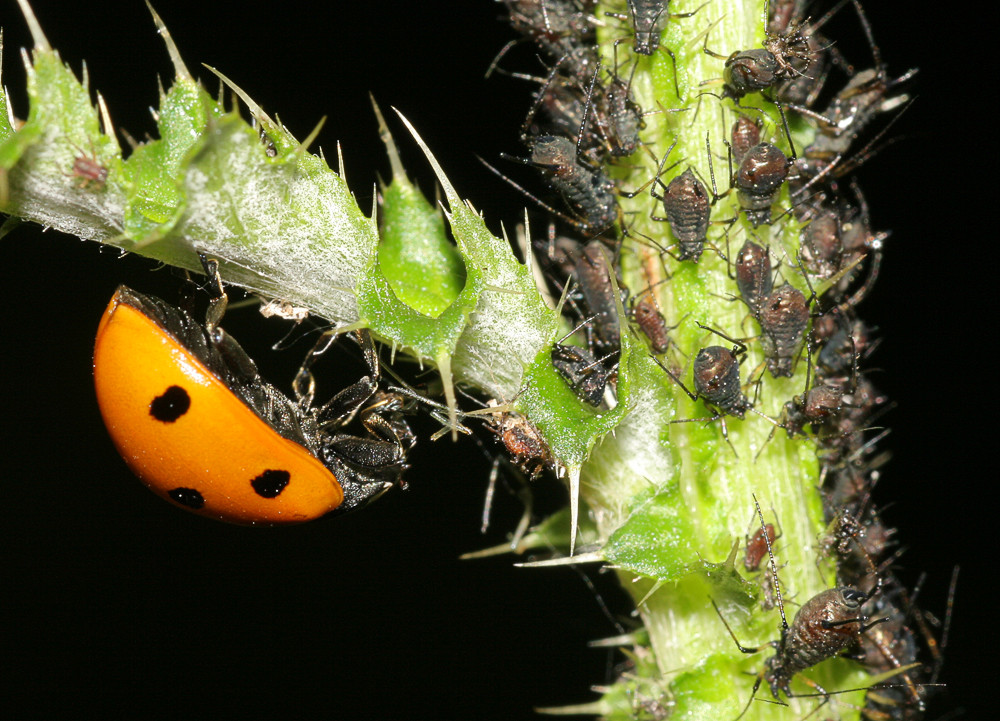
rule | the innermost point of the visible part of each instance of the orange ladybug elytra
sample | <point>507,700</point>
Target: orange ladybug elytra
<point>187,410</point>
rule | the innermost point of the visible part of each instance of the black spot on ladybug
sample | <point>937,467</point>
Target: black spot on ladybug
<point>171,405</point>
<point>270,484</point>
<point>187,497</point>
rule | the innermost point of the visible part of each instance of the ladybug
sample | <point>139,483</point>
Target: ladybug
<point>189,413</point>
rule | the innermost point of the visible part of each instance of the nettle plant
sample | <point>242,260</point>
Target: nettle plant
<point>710,415</point>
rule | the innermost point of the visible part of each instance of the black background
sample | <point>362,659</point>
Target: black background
<point>117,604</point>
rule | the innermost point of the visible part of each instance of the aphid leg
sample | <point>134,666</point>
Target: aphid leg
<point>219,300</point>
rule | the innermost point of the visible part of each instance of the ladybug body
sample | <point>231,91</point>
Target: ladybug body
<point>187,410</point>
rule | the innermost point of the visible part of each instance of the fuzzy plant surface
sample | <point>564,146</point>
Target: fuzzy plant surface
<point>663,499</point>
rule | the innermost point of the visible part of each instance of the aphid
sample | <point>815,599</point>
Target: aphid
<point>586,189</point>
<point>270,149</point>
<point>651,322</point>
<point>187,410</point>
<point>584,373</point>
<point>685,201</point>
<point>589,265</point>
<point>756,550</point>
<point>757,546</point>
<point>783,317</point>
<point>687,207</point>
<point>863,98</point>
<point>716,375</point>
<point>89,170</point>
<point>857,537</point>
<point>838,352</point>
<point>785,53</point>
<point>649,19</point>
<point>884,648</point>
<point>523,441</point>
<point>783,313</point>
<point>825,625</point>
<point>858,242</point>
<point>820,249</point>
<point>814,407</point>
<point>744,136</point>
<point>559,27</point>
<point>564,105</point>
<point>618,118</point>
<point>758,180</point>
<point>753,275</point>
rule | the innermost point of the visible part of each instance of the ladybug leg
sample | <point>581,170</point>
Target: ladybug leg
<point>389,408</point>
<point>219,301</point>
<point>369,455</point>
<point>345,406</point>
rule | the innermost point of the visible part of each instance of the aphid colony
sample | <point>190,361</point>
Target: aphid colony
<point>584,131</point>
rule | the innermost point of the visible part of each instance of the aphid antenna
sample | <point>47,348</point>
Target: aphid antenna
<point>772,565</point>
<point>937,649</point>
<point>739,347</point>
<point>870,35</point>
<point>660,170</point>
<point>494,64</point>
<point>693,396</point>
<point>641,237</point>
<point>586,111</point>
<point>703,36</point>
<point>581,324</point>
<point>716,197</point>
<point>582,227</point>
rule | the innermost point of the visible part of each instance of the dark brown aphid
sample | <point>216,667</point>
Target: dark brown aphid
<point>589,264</point>
<point>815,407</point>
<point>744,136</point>
<point>584,373</point>
<point>839,351</point>
<point>717,379</point>
<point>886,647</point>
<point>620,119</point>
<point>821,249</point>
<point>783,318</point>
<point>753,275</point>
<point>566,108</point>
<point>787,52</point>
<point>587,190</point>
<point>758,180</point>
<point>748,71</point>
<point>716,375</point>
<point>688,208</point>
<point>827,624</point>
<point>648,19</point>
